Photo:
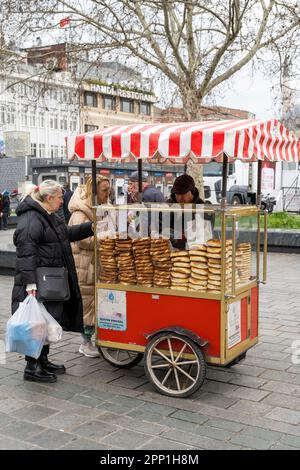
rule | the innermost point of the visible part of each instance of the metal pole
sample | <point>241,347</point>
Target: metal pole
<point>224,181</point>
<point>140,177</point>
<point>259,172</point>
<point>258,203</point>
<point>94,182</point>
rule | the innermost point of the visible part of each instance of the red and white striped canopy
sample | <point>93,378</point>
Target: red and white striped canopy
<point>245,139</point>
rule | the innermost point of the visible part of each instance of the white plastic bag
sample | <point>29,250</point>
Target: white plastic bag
<point>54,330</point>
<point>26,330</point>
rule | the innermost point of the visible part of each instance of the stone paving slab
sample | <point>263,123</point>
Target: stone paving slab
<point>253,405</point>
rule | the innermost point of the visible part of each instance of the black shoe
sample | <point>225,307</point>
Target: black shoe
<point>35,373</point>
<point>48,366</point>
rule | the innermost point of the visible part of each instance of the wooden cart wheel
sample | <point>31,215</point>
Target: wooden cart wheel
<point>121,357</point>
<point>175,365</point>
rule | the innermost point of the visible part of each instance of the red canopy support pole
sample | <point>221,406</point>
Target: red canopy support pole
<point>140,177</point>
<point>94,182</point>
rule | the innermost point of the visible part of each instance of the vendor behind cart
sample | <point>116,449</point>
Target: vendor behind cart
<point>184,191</point>
<point>80,207</point>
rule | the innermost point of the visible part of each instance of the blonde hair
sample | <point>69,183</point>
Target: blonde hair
<point>39,193</point>
<point>89,186</point>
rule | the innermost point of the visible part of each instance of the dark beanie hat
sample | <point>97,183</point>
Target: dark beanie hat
<point>183,184</point>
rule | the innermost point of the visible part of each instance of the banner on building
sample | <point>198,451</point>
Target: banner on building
<point>17,143</point>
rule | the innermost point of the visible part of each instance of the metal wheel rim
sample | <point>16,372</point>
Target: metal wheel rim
<point>113,355</point>
<point>171,370</point>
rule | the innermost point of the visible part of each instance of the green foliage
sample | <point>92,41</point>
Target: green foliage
<point>284,220</point>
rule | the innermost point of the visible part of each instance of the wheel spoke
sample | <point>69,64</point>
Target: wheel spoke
<point>162,355</point>
<point>166,376</point>
<point>171,350</point>
<point>177,379</point>
<point>160,366</point>
<point>186,374</point>
<point>183,348</point>
<point>186,363</point>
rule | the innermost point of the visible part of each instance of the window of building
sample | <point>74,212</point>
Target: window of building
<point>109,102</point>
<point>53,121</point>
<point>73,125</point>
<point>145,108</point>
<point>289,166</point>
<point>63,123</point>
<point>49,177</point>
<point>24,117</point>
<point>90,128</point>
<point>33,150</point>
<point>90,99</point>
<point>2,114</point>
<point>54,151</point>
<point>53,94</point>
<point>10,114</point>
<point>127,105</point>
<point>2,86</point>
<point>42,150</point>
<point>32,119</point>
<point>41,120</point>
<point>63,151</point>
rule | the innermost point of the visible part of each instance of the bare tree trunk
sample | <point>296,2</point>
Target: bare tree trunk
<point>191,107</point>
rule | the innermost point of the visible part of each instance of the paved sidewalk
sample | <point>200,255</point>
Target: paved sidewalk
<point>253,405</point>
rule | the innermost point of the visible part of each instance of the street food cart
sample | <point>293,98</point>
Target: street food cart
<point>179,310</point>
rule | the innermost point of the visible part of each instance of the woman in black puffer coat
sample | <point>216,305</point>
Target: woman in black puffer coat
<point>42,239</point>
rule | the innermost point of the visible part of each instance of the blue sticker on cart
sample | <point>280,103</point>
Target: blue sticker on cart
<point>112,311</point>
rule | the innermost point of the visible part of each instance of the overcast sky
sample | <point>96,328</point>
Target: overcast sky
<point>252,94</point>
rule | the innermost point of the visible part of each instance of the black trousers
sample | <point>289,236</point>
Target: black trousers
<point>44,352</point>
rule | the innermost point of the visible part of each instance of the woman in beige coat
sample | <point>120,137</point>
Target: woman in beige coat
<point>80,207</point>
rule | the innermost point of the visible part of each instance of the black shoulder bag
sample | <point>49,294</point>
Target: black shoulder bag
<point>53,282</point>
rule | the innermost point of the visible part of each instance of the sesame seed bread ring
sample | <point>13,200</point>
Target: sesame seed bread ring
<point>176,254</point>
<point>197,253</point>
<point>181,259</point>
<point>199,259</point>
<point>181,270</point>
<point>180,275</point>
<point>198,247</point>
<point>202,277</point>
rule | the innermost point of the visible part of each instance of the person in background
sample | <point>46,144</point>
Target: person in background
<point>67,197</point>
<point>1,211</point>
<point>150,192</point>
<point>112,195</point>
<point>42,239</point>
<point>6,208</point>
<point>80,207</point>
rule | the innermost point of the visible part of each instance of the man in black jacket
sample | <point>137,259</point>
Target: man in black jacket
<point>67,196</point>
<point>42,239</point>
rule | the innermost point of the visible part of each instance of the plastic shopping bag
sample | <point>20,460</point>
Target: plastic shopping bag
<point>54,330</point>
<point>26,330</point>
